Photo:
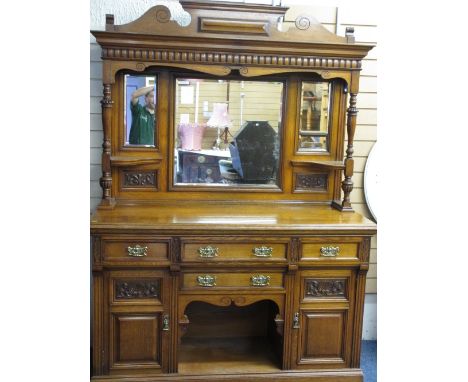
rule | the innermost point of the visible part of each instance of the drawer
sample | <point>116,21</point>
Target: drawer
<point>233,251</point>
<point>330,250</point>
<point>134,250</point>
<point>217,280</point>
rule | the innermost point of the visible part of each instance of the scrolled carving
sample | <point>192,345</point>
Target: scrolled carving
<point>225,301</point>
<point>163,15</point>
<point>239,301</point>
<point>244,71</point>
<point>326,74</point>
<point>325,288</point>
<point>226,70</point>
<point>302,22</point>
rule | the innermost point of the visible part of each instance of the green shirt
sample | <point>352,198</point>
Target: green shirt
<point>142,130</point>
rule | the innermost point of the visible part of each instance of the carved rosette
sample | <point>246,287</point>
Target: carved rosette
<point>137,289</point>
<point>324,288</point>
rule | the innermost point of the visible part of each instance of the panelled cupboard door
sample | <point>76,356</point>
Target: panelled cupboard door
<point>322,339</point>
<point>139,322</point>
<point>135,342</point>
<point>323,319</point>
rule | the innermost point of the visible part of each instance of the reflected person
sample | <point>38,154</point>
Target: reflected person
<point>142,129</point>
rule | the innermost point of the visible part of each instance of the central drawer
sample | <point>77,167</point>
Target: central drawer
<point>231,251</point>
<point>221,280</point>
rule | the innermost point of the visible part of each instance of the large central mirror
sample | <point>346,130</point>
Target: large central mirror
<point>227,133</point>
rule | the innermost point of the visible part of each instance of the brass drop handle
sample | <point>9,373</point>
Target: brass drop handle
<point>329,251</point>
<point>137,251</point>
<point>263,251</point>
<point>165,324</point>
<point>296,321</point>
<point>260,280</point>
<point>208,251</point>
<point>206,280</point>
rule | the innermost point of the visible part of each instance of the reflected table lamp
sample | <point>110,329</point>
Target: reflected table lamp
<point>219,119</point>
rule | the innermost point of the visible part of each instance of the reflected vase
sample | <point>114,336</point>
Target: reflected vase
<point>191,135</point>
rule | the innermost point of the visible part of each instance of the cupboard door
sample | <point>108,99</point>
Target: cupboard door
<point>322,337</point>
<point>136,341</point>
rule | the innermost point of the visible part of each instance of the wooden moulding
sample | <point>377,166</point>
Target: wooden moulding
<point>327,165</point>
<point>349,375</point>
<point>121,161</point>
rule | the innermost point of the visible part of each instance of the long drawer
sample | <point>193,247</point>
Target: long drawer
<point>231,251</point>
<point>219,280</point>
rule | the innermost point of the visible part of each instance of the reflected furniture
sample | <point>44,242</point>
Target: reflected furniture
<point>201,166</point>
<point>199,274</point>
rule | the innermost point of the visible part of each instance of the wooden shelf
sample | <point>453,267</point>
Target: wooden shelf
<point>227,355</point>
<point>128,161</point>
<point>328,165</point>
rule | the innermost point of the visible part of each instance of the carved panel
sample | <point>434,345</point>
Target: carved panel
<point>325,288</point>
<point>218,25</point>
<point>311,182</point>
<point>136,289</point>
<point>139,179</point>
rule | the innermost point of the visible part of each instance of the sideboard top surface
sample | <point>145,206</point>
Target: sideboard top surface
<point>209,217</point>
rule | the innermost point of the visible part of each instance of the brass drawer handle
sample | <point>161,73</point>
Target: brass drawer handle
<point>137,251</point>
<point>260,280</point>
<point>206,280</point>
<point>208,251</point>
<point>262,251</point>
<point>329,251</point>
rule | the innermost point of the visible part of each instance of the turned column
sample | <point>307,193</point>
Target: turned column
<point>347,184</point>
<point>106,180</point>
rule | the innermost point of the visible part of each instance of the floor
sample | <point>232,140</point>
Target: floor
<point>369,360</point>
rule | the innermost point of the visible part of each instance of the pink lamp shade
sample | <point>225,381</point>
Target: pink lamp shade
<point>220,116</point>
<point>191,135</point>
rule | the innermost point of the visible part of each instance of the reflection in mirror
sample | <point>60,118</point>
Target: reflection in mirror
<point>140,107</point>
<point>313,122</point>
<point>227,132</point>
